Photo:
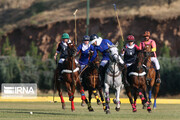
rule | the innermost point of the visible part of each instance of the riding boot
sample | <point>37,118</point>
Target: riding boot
<point>158,79</point>
<point>60,67</point>
<point>102,75</point>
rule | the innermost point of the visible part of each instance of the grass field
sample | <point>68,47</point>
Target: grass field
<point>53,111</point>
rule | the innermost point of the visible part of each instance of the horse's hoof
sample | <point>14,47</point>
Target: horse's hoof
<point>73,110</point>
<point>63,106</point>
<point>149,109</point>
<point>154,108</point>
<point>107,111</point>
<point>98,102</point>
<point>117,109</point>
<point>144,106</point>
<point>91,109</point>
<point>83,103</point>
<point>135,110</point>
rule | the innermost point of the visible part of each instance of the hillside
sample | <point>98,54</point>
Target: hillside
<point>17,13</point>
<point>43,21</point>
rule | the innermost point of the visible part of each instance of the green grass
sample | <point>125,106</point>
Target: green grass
<point>48,111</point>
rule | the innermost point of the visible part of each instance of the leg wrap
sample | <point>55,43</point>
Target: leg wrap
<point>71,97</point>
<point>83,97</point>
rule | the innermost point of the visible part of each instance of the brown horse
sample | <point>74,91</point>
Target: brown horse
<point>70,75</point>
<point>137,83</point>
<point>151,75</point>
<point>91,81</point>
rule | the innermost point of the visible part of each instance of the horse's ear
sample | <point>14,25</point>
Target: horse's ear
<point>117,43</point>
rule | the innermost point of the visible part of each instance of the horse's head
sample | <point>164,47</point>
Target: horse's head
<point>147,50</point>
<point>113,52</point>
<point>71,49</point>
<point>140,59</point>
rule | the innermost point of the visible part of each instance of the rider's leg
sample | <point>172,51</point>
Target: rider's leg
<point>156,62</point>
<point>102,71</point>
<point>60,67</point>
<point>82,76</point>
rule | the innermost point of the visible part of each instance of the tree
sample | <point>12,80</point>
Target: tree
<point>53,51</point>
<point>165,51</point>
<point>6,48</point>
<point>33,51</point>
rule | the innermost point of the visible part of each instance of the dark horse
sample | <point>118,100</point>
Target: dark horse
<point>151,74</point>
<point>70,75</point>
<point>91,81</point>
<point>137,83</point>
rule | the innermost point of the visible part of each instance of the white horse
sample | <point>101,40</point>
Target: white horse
<point>113,77</point>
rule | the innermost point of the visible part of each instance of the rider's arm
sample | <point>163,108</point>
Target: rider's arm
<point>95,53</point>
<point>122,52</point>
<point>153,46</point>
<point>78,50</point>
<point>109,42</point>
<point>140,46</point>
<point>137,47</point>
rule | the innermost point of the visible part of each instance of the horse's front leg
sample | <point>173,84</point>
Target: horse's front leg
<point>102,98</point>
<point>89,104</point>
<point>71,95</point>
<point>60,94</point>
<point>117,98</point>
<point>96,96</point>
<point>83,97</point>
<point>128,92</point>
<point>157,86</point>
<point>106,94</point>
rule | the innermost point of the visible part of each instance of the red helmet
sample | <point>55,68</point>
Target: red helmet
<point>130,38</point>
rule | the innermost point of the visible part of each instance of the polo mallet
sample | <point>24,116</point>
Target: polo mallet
<point>119,24</point>
<point>75,31</point>
<point>54,90</point>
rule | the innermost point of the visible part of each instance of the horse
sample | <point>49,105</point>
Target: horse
<point>137,83</point>
<point>113,78</point>
<point>91,81</point>
<point>70,78</point>
<point>151,75</point>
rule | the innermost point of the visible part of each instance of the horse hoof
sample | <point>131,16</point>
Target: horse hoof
<point>134,110</point>
<point>98,102</point>
<point>73,110</point>
<point>144,106</point>
<point>91,109</point>
<point>83,103</point>
<point>63,106</point>
<point>117,109</point>
<point>154,108</point>
<point>107,111</point>
<point>149,109</point>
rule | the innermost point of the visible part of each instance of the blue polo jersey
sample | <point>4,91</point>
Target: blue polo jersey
<point>103,47</point>
<point>84,54</point>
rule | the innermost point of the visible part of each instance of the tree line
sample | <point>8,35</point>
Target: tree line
<point>32,69</point>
